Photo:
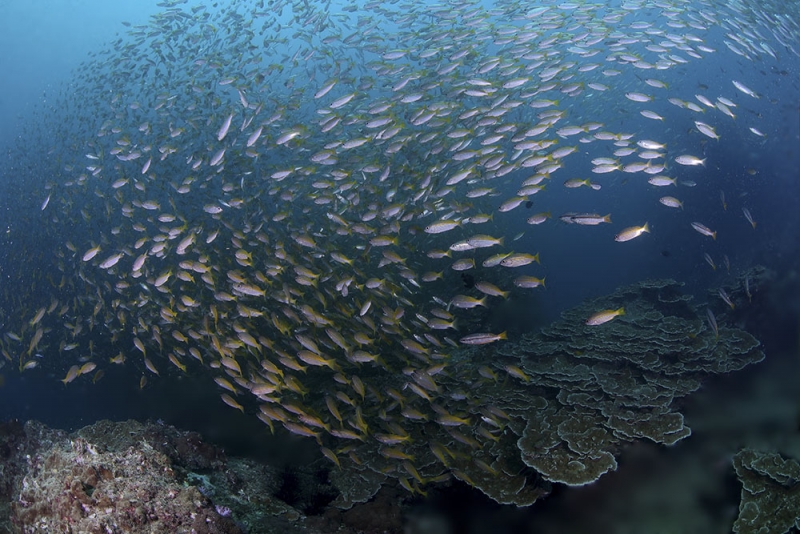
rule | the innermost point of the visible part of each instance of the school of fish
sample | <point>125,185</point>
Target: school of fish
<point>277,193</point>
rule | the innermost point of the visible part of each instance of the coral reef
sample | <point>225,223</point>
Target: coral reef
<point>557,406</point>
<point>770,492</point>
<point>509,419</point>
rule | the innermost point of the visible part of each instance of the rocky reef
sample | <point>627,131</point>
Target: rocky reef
<point>133,477</point>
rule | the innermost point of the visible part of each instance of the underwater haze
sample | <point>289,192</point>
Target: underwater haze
<point>502,247</point>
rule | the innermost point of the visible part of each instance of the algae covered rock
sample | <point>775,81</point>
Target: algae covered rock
<point>77,485</point>
<point>136,477</point>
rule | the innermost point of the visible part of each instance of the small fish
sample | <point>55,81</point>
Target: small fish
<point>72,374</point>
<point>111,261</point>
<point>451,420</point>
<point>494,261</point>
<point>638,97</point>
<point>439,227</point>
<point>217,158</point>
<point>91,253</point>
<point>661,181</point>
<point>488,288</point>
<point>511,203</point>
<point>38,317</point>
<point>518,260</point>
<point>743,88</point>
<point>528,282</point>
<point>585,219</point>
<point>712,322</point>
<point>574,183</point>
<point>466,302</point>
<point>482,339</point>
<point>484,241</point>
<point>227,399</point>
<point>87,367</point>
<point>254,137</point>
<point>671,202</point>
<point>686,159</point>
<point>749,217</point>
<point>710,260</point>
<point>705,230</point>
<point>539,218</point>
<point>516,372</point>
<point>631,233</point>
<point>223,131</point>
<point>724,296</point>
<point>149,365</point>
<point>706,130</point>
<point>604,316</point>
<point>177,363</point>
<point>463,264</point>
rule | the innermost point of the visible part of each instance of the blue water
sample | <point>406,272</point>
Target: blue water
<point>52,54</point>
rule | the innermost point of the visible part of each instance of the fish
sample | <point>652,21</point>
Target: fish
<point>223,131</point>
<point>484,241</point>
<point>529,281</point>
<point>689,160</point>
<point>631,232</point>
<point>749,217</point>
<point>111,261</point>
<point>744,89</point>
<point>463,264</point>
<point>496,259</point>
<point>91,253</point>
<point>488,288</point>
<point>516,372</point>
<point>638,97</point>
<point>439,227</point>
<point>585,219</point>
<point>703,229</point>
<point>574,183</point>
<point>538,218</point>
<point>604,316</point>
<point>661,181</point>
<point>724,296</point>
<point>230,401</point>
<point>38,316</point>
<point>712,322</point>
<point>706,130</point>
<point>519,259</point>
<point>466,302</point>
<point>671,202</point>
<point>710,260</point>
<point>482,338</point>
<point>72,374</point>
<point>87,367</point>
